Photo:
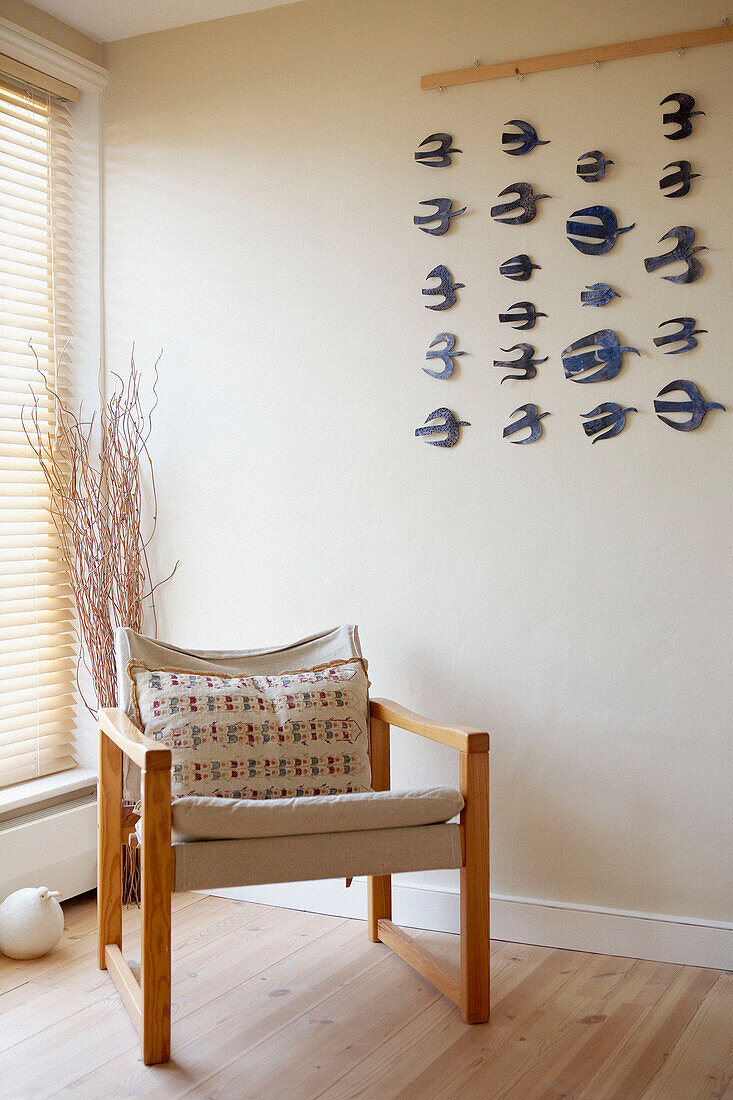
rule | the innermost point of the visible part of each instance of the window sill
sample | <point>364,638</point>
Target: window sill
<point>51,790</point>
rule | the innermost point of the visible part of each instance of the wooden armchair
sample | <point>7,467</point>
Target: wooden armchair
<point>149,1002</point>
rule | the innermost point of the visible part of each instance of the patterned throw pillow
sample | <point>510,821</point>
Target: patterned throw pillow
<point>297,733</point>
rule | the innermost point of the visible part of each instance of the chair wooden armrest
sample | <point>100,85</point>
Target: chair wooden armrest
<point>462,738</point>
<point>471,989</point>
<point>149,1001</point>
<point>144,752</point>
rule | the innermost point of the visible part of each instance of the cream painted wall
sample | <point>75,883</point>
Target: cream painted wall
<point>260,189</point>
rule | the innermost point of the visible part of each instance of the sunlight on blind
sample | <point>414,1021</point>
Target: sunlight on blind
<point>37,641</point>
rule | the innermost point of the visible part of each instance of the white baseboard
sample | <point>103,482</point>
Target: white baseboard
<point>520,920</point>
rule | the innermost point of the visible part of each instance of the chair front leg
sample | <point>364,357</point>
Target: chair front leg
<point>157,887</point>
<point>379,887</point>
<point>475,941</point>
<point>109,859</point>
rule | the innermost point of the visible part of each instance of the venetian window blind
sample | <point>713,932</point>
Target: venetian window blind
<point>37,639</point>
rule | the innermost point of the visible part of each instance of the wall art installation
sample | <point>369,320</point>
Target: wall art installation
<point>681,177</point>
<point>451,427</point>
<point>683,250</point>
<point>593,231</point>
<point>524,142</point>
<point>681,116</point>
<point>687,332</point>
<point>446,288</point>
<point>598,238</point>
<point>440,157</point>
<point>606,353</point>
<point>598,294</point>
<point>526,318</point>
<point>443,213</point>
<point>526,203</point>
<point>519,268</point>
<point>525,363</point>
<point>608,415</point>
<point>697,406</point>
<point>592,166</point>
<point>446,354</point>
<point>531,419</point>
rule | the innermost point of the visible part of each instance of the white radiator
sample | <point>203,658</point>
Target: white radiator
<point>54,847</point>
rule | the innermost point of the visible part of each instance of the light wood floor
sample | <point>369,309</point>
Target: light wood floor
<point>290,1006</point>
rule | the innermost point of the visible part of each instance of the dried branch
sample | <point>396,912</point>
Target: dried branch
<point>97,510</point>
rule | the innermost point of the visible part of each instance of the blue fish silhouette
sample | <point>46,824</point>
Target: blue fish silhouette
<point>446,354</point>
<point>525,141</point>
<point>609,415</point>
<point>526,202</point>
<point>525,363</point>
<point>447,287</point>
<point>697,406</point>
<point>682,115</point>
<point>608,355</point>
<point>688,332</point>
<point>597,294</point>
<point>436,158</point>
<point>531,419</point>
<point>594,168</point>
<point>685,236</point>
<point>602,237</point>
<point>442,215</point>
<point>682,177</point>
<point>451,428</point>
<point>525,319</point>
<point>519,268</point>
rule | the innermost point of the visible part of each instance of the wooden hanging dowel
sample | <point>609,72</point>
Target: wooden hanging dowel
<point>578,57</point>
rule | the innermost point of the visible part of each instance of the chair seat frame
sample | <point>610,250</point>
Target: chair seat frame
<point>149,1000</point>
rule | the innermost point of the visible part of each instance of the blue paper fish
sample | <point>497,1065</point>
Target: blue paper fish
<point>526,202</point>
<point>682,115</point>
<point>446,354</point>
<point>598,294</point>
<point>525,319</point>
<point>592,166</point>
<point>447,287</point>
<point>697,406</point>
<point>608,415</point>
<point>451,428</point>
<point>602,237</point>
<point>439,157</point>
<point>519,268</point>
<point>442,216</point>
<point>688,332</point>
<point>685,236</point>
<point>525,141</point>
<point>525,363</point>
<point>682,177</point>
<point>607,356</point>
<point>531,419</point>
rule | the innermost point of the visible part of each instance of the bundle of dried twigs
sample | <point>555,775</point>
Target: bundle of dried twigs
<point>97,510</point>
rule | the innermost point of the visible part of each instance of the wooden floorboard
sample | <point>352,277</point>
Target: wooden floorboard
<point>277,1003</point>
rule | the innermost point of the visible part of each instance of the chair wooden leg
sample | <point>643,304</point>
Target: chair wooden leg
<point>157,887</point>
<point>475,888</point>
<point>379,887</point>
<point>109,860</point>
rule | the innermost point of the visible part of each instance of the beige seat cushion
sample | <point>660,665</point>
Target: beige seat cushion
<point>233,818</point>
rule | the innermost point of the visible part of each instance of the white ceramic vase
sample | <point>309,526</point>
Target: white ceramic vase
<point>31,923</point>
